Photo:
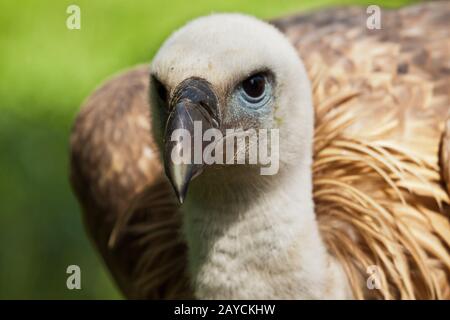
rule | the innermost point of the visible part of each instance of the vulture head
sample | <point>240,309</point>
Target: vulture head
<point>230,72</point>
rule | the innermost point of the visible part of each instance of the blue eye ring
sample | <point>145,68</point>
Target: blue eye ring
<point>255,91</point>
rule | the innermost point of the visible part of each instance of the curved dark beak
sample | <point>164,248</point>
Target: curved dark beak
<point>193,110</point>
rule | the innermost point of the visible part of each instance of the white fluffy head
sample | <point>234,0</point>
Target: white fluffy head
<point>225,49</point>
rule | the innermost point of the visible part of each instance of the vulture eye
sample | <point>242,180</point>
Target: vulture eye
<point>254,86</point>
<point>255,91</point>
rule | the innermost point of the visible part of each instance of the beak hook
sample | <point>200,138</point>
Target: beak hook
<point>194,101</point>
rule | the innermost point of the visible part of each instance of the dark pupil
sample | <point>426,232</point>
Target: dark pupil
<point>254,86</point>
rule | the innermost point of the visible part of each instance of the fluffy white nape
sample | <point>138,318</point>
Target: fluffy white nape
<point>268,249</point>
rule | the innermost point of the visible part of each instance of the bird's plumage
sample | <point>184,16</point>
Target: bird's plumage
<point>381,164</point>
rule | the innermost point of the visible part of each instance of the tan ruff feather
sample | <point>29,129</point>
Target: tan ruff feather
<point>370,199</point>
<point>381,170</point>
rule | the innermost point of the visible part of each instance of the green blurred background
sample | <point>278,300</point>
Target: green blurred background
<point>46,71</point>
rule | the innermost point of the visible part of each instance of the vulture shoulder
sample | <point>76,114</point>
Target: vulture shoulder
<point>381,164</point>
<point>381,102</point>
<point>113,158</point>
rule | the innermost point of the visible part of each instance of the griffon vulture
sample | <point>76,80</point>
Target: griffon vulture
<point>359,207</point>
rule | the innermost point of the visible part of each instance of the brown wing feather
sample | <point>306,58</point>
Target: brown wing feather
<point>113,158</point>
<point>381,97</point>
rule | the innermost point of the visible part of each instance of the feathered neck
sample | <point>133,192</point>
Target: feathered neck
<point>257,238</point>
